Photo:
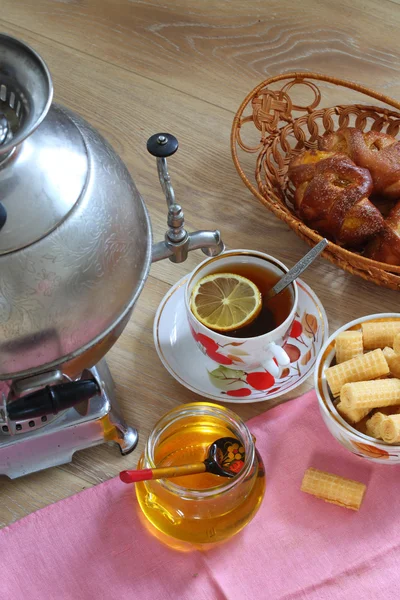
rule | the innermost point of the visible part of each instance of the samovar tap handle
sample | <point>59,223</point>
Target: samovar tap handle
<point>178,242</point>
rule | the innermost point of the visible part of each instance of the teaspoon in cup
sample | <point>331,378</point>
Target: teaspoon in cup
<point>297,270</point>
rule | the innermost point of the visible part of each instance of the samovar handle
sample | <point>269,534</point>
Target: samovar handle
<point>4,131</point>
<point>178,242</point>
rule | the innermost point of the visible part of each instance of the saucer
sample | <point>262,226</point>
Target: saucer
<point>185,361</point>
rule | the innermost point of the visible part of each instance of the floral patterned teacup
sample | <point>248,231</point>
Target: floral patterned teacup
<point>243,353</point>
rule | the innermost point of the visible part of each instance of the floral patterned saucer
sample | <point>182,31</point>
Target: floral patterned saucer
<point>194,369</point>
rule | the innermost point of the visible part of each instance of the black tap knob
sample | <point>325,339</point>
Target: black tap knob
<point>162,145</point>
<point>51,399</point>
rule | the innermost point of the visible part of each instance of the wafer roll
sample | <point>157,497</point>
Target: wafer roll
<point>371,394</point>
<point>390,429</point>
<point>334,489</point>
<point>373,425</point>
<point>348,345</point>
<point>393,360</point>
<point>379,335</point>
<point>352,415</point>
<point>361,368</point>
<point>396,343</point>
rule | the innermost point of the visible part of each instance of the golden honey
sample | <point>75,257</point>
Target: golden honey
<point>203,509</point>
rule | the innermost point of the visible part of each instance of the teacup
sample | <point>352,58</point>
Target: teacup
<point>243,353</point>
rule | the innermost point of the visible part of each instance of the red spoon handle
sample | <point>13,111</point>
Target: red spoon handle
<point>132,476</point>
<point>161,473</point>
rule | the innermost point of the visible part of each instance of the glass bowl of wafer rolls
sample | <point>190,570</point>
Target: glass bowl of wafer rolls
<point>357,380</point>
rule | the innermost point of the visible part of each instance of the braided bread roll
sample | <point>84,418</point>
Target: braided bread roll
<point>331,196</point>
<point>380,154</point>
<point>386,246</point>
<point>375,151</point>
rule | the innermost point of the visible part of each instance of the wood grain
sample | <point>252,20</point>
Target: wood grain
<point>135,68</point>
<point>215,50</point>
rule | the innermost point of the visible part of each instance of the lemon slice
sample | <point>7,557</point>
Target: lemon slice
<point>225,301</point>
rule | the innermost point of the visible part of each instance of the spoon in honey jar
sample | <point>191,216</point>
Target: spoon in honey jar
<point>225,457</point>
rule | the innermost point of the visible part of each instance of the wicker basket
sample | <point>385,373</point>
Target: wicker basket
<point>274,123</point>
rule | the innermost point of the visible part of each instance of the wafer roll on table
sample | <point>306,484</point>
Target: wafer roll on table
<point>379,334</point>
<point>371,394</point>
<point>333,489</point>
<point>360,368</point>
<point>390,429</point>
<point>396,343</point>
<point>393,360</point>
<point>348,345</point>
<point>352,415</point>
<point>373,425</point>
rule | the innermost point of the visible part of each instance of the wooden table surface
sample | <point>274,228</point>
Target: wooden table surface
<point>136,67</point>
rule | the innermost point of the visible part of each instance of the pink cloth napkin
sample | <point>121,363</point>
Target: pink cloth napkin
<point>93,546</point>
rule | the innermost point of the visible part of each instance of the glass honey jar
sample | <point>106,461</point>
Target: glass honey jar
<point>198,511</point>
